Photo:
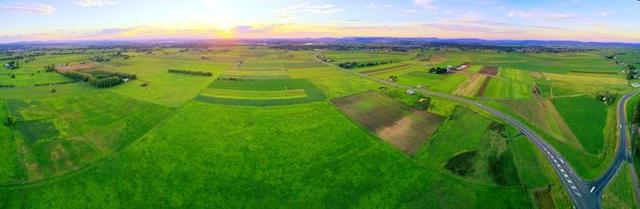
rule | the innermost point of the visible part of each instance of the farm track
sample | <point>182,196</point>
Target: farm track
<point>583,194</point>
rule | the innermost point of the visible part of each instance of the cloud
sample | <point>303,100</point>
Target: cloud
<point>410,11</point>
<point>605,13</point>
<point>42,9</point>
<point>94,3</point>
<point>308,8</point>
<point>253,29</point>
<point>376,5</point>
<point>427,4</point>
<point>534,14</point>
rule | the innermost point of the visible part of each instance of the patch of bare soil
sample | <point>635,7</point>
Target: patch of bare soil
<point>77,67</point>
<point>489,70</point>
<point>411,132</point>
<point>396,123</point>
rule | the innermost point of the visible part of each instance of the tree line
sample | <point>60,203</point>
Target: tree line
<point>354,64</point>
<point>101,78</point>
<point>189,72</point>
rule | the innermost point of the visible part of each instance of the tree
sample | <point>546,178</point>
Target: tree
<point>438,70</point>
<point>10,121</point>
<point>423,103</point>
<point>636,115</point>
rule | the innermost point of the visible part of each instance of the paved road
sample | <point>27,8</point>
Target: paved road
<point>621,150</point>
<point>580,192</point>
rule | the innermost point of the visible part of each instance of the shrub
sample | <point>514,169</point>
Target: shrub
<point>462,164</point>
<point>50,68</point>
<point>10,121</point>
<point>438,70</point>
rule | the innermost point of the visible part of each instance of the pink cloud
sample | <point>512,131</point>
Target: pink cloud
<point>42,9</point>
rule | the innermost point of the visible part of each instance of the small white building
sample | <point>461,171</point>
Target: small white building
<point>411,92</point>
<point>635,85</point>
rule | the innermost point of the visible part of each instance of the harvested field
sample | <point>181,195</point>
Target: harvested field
<point>264,92</point>
<point>236,94</point>
<point>471,87</point>
<point>302,65</point>
<point>483,87</point>
<point>543,114</point>
<point>489,70</point>
<point>245,73</point>
<point>385,69</point>
<point>400,125</point>
<point>77,67</point>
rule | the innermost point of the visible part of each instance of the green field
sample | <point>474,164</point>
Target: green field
<point>261,92</point>
<point>266,130</point>
<point>587,118</point>
<point>212,168</point>
<point>58,135</point>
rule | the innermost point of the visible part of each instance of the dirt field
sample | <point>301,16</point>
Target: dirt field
<point>401,126</point>
<point>77,67</point>
<point>483,87</point>
<point>489,70</point>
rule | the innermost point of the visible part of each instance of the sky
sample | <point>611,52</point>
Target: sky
<point>64,20</point>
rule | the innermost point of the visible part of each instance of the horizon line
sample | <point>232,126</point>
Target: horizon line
<point>136,40</point>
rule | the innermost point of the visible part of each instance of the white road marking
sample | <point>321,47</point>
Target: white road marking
<point>592,188</point>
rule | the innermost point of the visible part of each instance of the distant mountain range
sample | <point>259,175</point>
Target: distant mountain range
<point>345,40</point>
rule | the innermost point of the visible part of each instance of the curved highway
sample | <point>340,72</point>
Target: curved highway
<point>621,151</point>
<point>583,194</point>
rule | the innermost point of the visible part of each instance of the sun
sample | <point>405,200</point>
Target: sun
<point>226,30</point>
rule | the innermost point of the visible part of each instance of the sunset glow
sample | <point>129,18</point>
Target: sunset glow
<point>584,20</point>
